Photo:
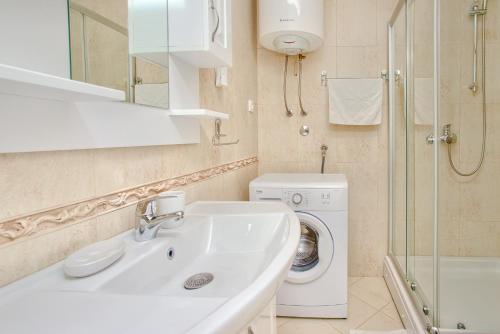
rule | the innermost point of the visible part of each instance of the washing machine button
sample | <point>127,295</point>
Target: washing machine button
<point>297,198</point>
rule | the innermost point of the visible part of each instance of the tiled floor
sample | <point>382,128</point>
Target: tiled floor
<point>370,308</point>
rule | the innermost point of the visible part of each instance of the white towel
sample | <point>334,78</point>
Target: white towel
<point>356,101</point>
<point>155,95</point>
<point>424,101</point>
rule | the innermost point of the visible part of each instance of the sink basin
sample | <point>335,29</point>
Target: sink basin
<point>248,247</point>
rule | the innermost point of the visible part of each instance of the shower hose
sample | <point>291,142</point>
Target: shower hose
<point>483,82</point>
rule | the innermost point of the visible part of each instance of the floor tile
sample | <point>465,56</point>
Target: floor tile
<point>353,280</point>
<point>370,308</point>
<point>306,326</point>
<point>371,290</point>
<point>381,322</point>
<point>391,311</point>
<point>281,320</point>
<point>359,312</point>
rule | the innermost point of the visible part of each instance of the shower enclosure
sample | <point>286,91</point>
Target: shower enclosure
<point>444,144</point>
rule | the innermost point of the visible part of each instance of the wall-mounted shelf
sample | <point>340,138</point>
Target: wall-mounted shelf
<point>41,112</point>
<point>22,82</point>
<point>198,113</point>
<point>31,125</point>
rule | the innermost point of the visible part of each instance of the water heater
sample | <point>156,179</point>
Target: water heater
<point>291,26</point>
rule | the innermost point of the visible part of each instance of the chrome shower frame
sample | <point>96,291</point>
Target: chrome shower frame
<point>416,316</point>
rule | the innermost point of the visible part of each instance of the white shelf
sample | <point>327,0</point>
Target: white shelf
<point>198,113</point>
<point>49,125</point>
<point>22,82</point>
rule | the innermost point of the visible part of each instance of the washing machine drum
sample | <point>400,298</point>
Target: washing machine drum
<point>315,250</point>
<point>307,253</point>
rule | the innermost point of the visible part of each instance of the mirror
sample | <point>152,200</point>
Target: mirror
<point>122,44</point>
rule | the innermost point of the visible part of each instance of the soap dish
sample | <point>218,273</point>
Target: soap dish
<point>94,258</point>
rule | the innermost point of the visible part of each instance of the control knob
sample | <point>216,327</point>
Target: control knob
<point>297,198</point>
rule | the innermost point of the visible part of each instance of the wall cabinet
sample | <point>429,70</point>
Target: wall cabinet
<point>148,30</point>
<point>200,32</point>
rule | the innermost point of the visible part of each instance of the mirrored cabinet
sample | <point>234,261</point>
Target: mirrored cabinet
<point>116,65</point>
<point>124,45</point>
<point>111,45</point>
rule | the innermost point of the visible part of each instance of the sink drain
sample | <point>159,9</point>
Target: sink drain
<point>198,281</point>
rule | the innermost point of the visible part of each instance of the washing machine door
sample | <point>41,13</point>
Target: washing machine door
<point>315,251</point>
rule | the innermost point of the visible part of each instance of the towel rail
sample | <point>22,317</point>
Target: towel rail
<point>218,135</point>
<point>384,75</point>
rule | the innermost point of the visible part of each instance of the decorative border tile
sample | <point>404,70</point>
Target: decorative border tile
<point>31,224</point>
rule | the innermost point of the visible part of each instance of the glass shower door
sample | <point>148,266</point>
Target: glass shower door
<point>421,148</point>
<point>444,204</point>
<point>397,105</point>
<point>412,150</point>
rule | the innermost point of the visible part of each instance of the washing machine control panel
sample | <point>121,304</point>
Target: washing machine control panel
<point>315,199</point>
<point>303,199</point>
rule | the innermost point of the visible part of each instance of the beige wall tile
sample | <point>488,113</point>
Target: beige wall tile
<point>30,255</point>
<point>330,22</point>
<point>367,245</point>
<point>356,22</point>
<point>324,59</point>
<point>37,181</point>
<point>358,62</point>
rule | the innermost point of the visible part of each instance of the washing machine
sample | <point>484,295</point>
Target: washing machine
<point>316,285</point>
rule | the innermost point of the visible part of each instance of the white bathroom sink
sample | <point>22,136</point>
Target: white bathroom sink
<point>247,247</point>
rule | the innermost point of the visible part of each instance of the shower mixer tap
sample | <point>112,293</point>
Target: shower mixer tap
<point>447,136</point>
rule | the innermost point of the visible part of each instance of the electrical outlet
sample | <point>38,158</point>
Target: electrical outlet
<point>251,106</point>
<point>221,77</point>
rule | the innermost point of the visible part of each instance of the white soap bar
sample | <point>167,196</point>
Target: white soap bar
<point>94,258</point>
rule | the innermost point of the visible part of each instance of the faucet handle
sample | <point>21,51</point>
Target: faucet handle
<point>165,204</point>
<point>166,210</point>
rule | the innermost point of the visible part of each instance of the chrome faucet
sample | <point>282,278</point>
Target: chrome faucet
<point>447,136</point>
<point>148,219</point>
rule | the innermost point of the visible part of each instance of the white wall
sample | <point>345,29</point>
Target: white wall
<point>34,35</point>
